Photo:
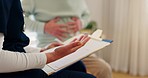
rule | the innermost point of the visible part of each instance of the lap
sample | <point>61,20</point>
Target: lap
<point>98,67</point>
<point>76,70</point>
<point>70,74</point>
<point>94,62</point>
<point>37,73</point>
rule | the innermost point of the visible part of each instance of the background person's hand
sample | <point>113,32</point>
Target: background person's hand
<point>52,45</point>
<point>67,49</point>
<point>74,26</point>
<point>57,30</point>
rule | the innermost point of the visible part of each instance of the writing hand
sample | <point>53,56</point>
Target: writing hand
<point>67,49</point>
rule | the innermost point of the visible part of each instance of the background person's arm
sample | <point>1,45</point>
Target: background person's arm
<point>85,15</point>
<point>30,24</point>
<point>51,27</point>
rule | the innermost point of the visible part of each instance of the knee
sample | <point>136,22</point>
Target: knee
<point>107,69</point>
<point>104,70</point>
<point>98,67</point>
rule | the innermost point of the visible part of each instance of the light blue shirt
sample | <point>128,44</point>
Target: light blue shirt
<point>45,10</point>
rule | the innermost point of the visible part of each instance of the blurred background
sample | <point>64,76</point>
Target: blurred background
<point>126,23</point>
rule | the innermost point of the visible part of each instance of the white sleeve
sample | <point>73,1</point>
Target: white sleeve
<point>30,49</point>
<point>15,61</point>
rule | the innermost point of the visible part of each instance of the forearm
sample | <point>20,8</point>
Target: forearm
<point>85,15</point>
<point>51,56</point>
<point>34,26</point>
<point>30,49</point>
<point>28,8</point>
<point>15,61</point>
<point>85,19</point>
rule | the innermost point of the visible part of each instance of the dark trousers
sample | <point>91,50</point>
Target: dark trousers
<point>76,70</point>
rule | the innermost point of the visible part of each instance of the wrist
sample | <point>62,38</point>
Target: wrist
<point>50,57</point>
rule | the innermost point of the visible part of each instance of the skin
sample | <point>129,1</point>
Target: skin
<point>67,49</point>
<point>54,29</point>
<point>52,45</point>
<point>59,31</point>
<point>75,26</point>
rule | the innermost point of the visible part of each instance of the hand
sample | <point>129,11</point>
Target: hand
<point>54,29</point>
<point>67,49</point>
<point>74,26</point>
<point>52,45</point>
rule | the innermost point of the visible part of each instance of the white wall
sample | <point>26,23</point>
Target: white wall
<point>95,8</point>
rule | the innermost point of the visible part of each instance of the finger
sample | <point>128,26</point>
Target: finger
<point>43,49</point>
<point>63,28</point>
<point>83,37</point>
<point>56,44</point>
<point>63,35</point>
<point>74,40</point>
<point>74,28</point>
<point>73,45</point>
<point>60,30</point>
<point>62,25</point>
<point>85,40</point>
<point>76,48</point>
<point>71,23</point>
<point>74,18</point>
<point>82,44</point>
<point>80,38</point>
<point>56,19</point>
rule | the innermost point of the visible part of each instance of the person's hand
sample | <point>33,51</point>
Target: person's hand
<point>74,26</point>
<point>54,29</point>
<point>52,45</point>
<point>67,49</point>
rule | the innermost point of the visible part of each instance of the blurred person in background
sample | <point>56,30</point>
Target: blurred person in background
<point>61,19</point>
